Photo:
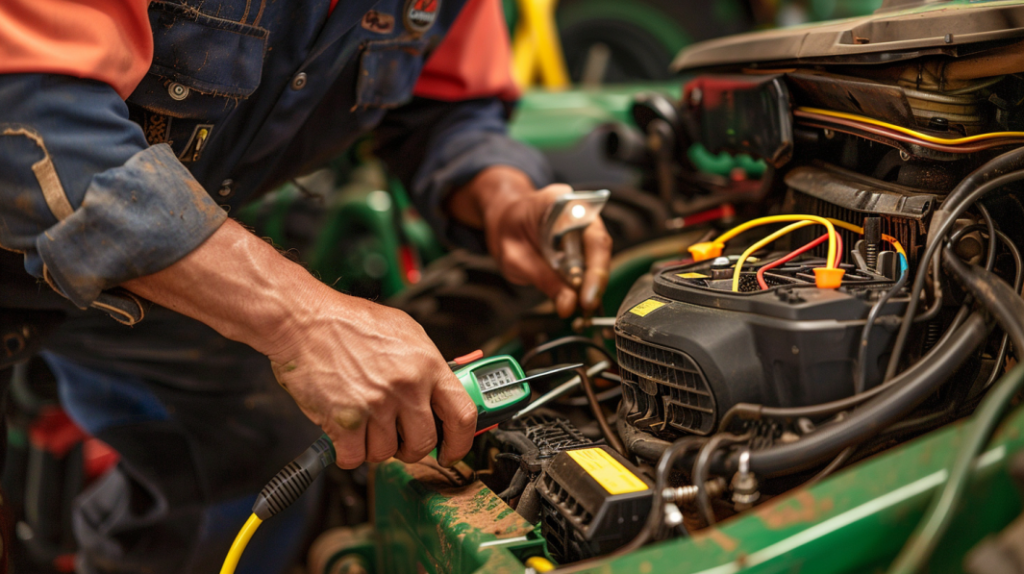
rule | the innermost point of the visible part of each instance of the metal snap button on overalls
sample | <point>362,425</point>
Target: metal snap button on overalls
<point>299,81</point>
<point>177,91</point>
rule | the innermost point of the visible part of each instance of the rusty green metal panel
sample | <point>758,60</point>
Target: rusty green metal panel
<point>853,522</point>
<point>435,520</point>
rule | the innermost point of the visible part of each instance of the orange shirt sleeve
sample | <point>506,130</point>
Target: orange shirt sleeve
<point>474,60</point>
<point>105,40</point>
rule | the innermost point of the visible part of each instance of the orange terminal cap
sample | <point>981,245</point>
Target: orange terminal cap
<point>706,250</point>
<point>467,359</point>
<point>828,278</point>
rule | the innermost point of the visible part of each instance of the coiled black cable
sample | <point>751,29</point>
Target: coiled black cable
<point>935,238</point>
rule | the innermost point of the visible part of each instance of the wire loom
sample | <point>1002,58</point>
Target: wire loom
<point>870,128</point>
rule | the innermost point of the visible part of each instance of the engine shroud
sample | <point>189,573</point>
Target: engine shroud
<point>689,350</point>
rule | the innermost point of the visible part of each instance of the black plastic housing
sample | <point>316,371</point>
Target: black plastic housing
<point>685,363</point>
<point>579,518</point>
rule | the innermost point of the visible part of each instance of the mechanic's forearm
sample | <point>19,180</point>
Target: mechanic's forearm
<point>240,286</point>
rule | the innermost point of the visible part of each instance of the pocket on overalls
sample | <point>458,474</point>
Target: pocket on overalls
<point>388,71</point>
<point>202,67</point>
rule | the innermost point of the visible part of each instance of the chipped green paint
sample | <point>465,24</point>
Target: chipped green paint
<point>424,524</point>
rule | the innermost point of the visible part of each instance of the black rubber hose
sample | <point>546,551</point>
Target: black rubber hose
<point>638,442</point>
<point>915,385</point>
<point>1008,162</point>
<point>519,481</point>
<point>515,439</point>
<point>994,294</point>
<point>938,230</point>
<point>752,411</point>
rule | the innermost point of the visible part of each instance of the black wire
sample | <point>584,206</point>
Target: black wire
<point>996,295</point>
<point>1018,282</point>
<point>993,241</point>
<point>833,466</point>
<point>563,342</point>
<point>666,462</point>
<point>595,406</point>
<point>1008,162</point>
<point>516,487</point>
<point>937,295</point>
<point>935,239</point>
<point>601,397</point>
<point>700,471</point>
<point>989,226</point>
<point>995,168</point>
<point>861,381</point>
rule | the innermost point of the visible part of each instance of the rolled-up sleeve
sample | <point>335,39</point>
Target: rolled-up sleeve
<point>83,196</point>
<point>456,126</point>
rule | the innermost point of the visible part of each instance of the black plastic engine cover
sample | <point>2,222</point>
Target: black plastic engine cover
<point>689,350</point>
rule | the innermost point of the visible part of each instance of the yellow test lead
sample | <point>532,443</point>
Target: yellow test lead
<point>238,546</point>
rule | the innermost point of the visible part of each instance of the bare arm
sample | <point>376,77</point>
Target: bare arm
<point>365,373</point>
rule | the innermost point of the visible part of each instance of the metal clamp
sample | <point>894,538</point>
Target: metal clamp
<point>562,234</point>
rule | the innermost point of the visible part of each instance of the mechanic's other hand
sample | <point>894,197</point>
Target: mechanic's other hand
<point>370,377</point>
<point>512,214</point>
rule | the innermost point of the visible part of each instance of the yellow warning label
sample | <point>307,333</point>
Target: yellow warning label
<point>646,307</point>
<point>607,471</point>
<point>692,275</point>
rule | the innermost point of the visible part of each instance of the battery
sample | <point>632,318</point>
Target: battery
<point>593,501</point>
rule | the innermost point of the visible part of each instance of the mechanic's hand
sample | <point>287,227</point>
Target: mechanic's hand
<point>369,376</point>
<point>512,213</point>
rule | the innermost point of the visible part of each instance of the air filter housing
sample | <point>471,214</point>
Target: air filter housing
<point>689,348</point>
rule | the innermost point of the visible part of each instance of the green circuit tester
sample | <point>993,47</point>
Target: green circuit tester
<point>497,385</point>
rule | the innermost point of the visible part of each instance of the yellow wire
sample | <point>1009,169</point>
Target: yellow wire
<point>238,546</point>
<point>783,219</point>
<point>753,248</point>
<point>801,221</point>
<point>910,132</point>
<point>860,231</point>
<point>540,564</point>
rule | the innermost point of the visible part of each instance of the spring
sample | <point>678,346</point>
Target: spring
<point>934,330</point>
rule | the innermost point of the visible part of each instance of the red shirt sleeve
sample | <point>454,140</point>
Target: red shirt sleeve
<point>474,60</point>
<point>105,40</point>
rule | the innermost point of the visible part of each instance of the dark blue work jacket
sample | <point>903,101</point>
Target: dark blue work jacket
<point>241,95</point>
